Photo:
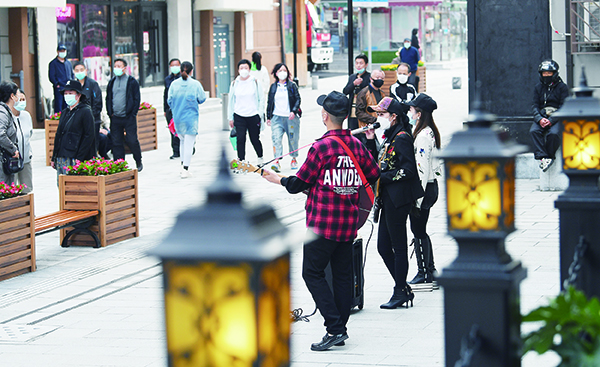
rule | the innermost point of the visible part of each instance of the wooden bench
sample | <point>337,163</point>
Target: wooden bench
<point>80,220</point>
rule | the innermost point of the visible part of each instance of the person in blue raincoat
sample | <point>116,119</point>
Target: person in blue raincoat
<point>185,94</point>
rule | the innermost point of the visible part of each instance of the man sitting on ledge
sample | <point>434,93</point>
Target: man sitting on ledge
<point>548,96</point>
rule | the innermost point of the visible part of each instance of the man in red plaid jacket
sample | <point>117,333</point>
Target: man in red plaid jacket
<point>332,182</point>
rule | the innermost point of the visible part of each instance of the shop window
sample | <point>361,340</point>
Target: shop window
<point>66,18</point>
<point>94,20</point>
<point>125,38</point>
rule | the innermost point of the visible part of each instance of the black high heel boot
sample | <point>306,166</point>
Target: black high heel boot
<point>399,298</point>
<point>419,254</point>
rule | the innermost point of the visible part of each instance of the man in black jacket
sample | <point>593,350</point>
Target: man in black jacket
<point>122,105</point>
<point>175,73</point>
<point>75,138</point>
<point>356,82</point>
<point>548,96</point>
<point>60,71</point>
<point>93,96</point>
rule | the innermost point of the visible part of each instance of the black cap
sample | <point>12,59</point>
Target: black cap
<point>424,102</point>
<point>73,85</point>
<point>61,46</point>
<point>334,103</point>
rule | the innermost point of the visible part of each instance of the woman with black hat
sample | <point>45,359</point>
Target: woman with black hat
<point>397,190</point>
<point>75,137</point>
<point>427,141</point>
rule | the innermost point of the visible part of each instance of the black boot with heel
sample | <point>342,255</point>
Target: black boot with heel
<point>421,260</point>
<point>399,298</point>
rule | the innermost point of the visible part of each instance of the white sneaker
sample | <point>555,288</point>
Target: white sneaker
<point>260,160</point>
<point>185,173</point>
<point>546,163</point>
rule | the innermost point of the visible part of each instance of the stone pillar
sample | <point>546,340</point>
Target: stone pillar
<point>206,71</point>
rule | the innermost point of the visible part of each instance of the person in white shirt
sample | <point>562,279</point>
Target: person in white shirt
<point>427,143</point>
<point>246,104</point>
<point>24,134</point>
<point>260,72</point>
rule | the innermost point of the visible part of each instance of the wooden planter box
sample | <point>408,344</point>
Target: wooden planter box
<point>115,196</point>
<point>17,236</point>
<point>51,127</point>
<point>390,79</point>
<point>147,133</point>
<point>146,129</point>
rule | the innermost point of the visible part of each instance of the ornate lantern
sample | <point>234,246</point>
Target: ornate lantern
<point>226,283</point>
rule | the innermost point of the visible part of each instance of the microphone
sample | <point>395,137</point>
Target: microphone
<point>374,126</point>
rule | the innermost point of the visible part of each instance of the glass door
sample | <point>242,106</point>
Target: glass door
<point>153,45</point>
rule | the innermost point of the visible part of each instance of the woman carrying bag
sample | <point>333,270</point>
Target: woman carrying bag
<point>8,129</point>
<point>427,142</point>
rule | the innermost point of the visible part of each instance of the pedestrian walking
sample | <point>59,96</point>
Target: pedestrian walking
<point>174,74</point>
<point>283,114</point>
<point>397,190</point>
<point>356,82</point>
<point>410,55</point>
<point>332,211</point>
<point>60,71</point>
<point>261,73</point>
<point>185,94</point>
<point>427,143</point>
<point>122,106</point>
<point>414,40</point>
<point>8,125</point>
<point>75,136</point>
<point>244,109</point>
<point>548,96</point>
<point>24,134</point>
<point>93,97</point>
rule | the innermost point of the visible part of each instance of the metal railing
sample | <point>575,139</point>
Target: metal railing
<point>585,26</point>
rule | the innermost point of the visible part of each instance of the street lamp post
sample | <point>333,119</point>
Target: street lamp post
<point>579,205</point>
<point>481,286</point>
<point>226,283</point>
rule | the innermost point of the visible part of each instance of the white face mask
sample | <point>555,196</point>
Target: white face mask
<point>282,75</point>
<point>244,73</point>
<point>407,45</point>
<point>385,123</point>
<point>402,78</point>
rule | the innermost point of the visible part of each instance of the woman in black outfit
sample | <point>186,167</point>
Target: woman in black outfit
<point>397,190</point>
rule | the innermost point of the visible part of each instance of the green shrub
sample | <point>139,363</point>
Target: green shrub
<point>381,57</point>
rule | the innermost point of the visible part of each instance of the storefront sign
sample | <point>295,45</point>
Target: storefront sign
<point>370,4</point>
<point>66,13</point>
<point>233,5</point>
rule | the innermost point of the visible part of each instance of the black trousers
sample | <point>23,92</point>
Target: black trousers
<point>418,224</point>
<point>118,127</point>
<point>335,307</point>
<point>252,125</point>
<point>391,240</point>
<point>546,140</point>
<point>174,139</point>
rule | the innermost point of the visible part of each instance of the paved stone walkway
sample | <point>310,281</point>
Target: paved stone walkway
<point>104,307</point>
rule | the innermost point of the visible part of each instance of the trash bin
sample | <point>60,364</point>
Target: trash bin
<point>315,82</point>
<point>224,105</point>
<point>456,82</point>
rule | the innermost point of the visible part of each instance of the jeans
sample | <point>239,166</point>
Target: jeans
<point>335,307</point>
<point>118,127</point>
<point>546,140</point>
<point>281,125</point>
<point>252,125</point>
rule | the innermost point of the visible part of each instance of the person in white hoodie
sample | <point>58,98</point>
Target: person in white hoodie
<point>246,106</point>
<point>427,143</point>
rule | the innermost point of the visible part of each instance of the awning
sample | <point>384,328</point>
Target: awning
<point>234,5</point>
<point>414,2</point>
<point>32,3</point>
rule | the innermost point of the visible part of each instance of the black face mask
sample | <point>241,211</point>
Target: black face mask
<point>378,83</point>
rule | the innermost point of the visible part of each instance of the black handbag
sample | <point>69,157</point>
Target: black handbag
<point>10,164</point>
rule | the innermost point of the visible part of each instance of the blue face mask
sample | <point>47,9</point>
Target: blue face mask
<point>118,71</point>
<point>21,105</point>
<point>70,99</point>
<point>175,69</point>
<point>360,71</point>
<point>81,75</point>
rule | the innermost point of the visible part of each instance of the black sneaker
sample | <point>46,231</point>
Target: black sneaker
<point>328,341</point>
<point>174,156</point>
<point>140,167</point>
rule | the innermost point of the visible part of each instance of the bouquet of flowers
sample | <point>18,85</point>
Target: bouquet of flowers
<point>97,167</point>
<point>146,106</point>
<point>56,116</point>
<point>10,191</point>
